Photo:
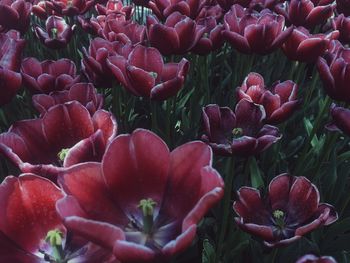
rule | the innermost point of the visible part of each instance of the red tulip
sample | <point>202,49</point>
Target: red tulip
<point>115,6</point>
<point>279,101</point>
<point>15,14</point>
<point>144,222</point>
<point>70,7</point>
<point>48,75</point>
<point>31,230</point>
<point>306,13</point>
<point>334,68</point>
<point>251,4</point>
<point>342,24</point>
<point>178,35</point>
<point>43,9</point>
<point>64,136</point>
<point>340,120</point>
<point>58,33</point>
<point>250,31</point>
<point>11,47</point>
<point>85,93</point>
<point>305,47</point>
<point>313,259</point>
<point>290,210</point>
<point>144,73</point>
<point>242,133</point>
<point>94,63</point>
<point>343,7</point>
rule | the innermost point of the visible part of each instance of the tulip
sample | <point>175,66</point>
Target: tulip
<point>342,24</point>
<point>58,33</point>
<point>333,68</point>
<point>15,14</point>
<point>115,6</point>
<point>85,93</point>
<point>94,62</point>
<point>66,135</point>
<point>48,75</point>
<point>144,73</point>
<point>343,7</point>
<point>250,31</point>
<point>149,221</point>
<point>340,120</point>
<point>279,101</point>
<point>251,4</point>
<point>178,35</point>
<point>313,259</point>
<point>291,210</point>
<point>30,228</point>
<point>305,47</point>
<point>70,7</point>
<point>242,133</point>
<point>306,13</point>
<point>11,47</point>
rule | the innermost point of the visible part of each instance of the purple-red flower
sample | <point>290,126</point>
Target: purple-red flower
<point>58,33</point>
<point>343,7</point>
<point>279,101</point>
<point>144,73</point>
<point>15,14</point>
<point>70,7</point>
<point>43,9</point>
<point>115,6</point>
<point>144,198</point>
<point>334,71</point>
<point>250,31</point>
<point>342,24</point>
<point>30,228</point>
<point>85,93</point>
<point>306,13</point>
<point>11,47</point>
<point>239,133</point>
<point>178,35</point>
<point>48,75</point>
<point>340,120</point>
<point>290,210</point>
<point>94,63</point>
<point>66,135</point>
<point>305,47</point>
<point>309,258</point>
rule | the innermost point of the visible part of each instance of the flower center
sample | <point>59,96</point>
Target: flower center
<point>62,154</point>
<point>54,239</point>
<point>147,207</point>
<point>153,74</point>
<point>237,132</point>
<point>54,33</point>
<point>279,218</point>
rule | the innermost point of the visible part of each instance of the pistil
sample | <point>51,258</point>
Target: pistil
<point>147,208</point>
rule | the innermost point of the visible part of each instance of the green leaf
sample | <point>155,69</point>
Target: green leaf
<point>255,175</point>
<point>208,253</point>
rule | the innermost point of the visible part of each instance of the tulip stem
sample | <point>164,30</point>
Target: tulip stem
<point>226,207</point>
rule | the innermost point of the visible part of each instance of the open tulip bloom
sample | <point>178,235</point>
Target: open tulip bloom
<point>142,204</point>
<point>290,210</point>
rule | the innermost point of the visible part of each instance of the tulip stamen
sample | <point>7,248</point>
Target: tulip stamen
<point>54,33</point>
<point>62,154</point>
<point>279,218</point>
<point>54,238</point>
<point>153,74</point>
<point>237,132</point>
<point>147,208</point>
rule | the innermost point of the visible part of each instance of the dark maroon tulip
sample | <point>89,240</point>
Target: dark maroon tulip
<point>85,93</point>
<point>242,133</point>
<point>66,135</point>
<point>290,210</point>
<point>343,7</point>
<point>164,8</point>
<point>214,11</point>
<point>250,31</point>
<point>43,10</point>
<point>305,47</point>
<point>178,35</point>
<point>144,73</point>
<point>15,14</point>
<point>58,33</point>
<point>342,24</point>
<point>279,101</point>
<point>11,47</point>
<point>306,13</point>
<point>252,4</point>
<point>70,7</point>
<point>94,63</point>
<point>212,38</point>
<point>149,221</point>
<point>48,75</point>
<point>114,6</point>
<point>334,71</point>
<point>30,228</point>
<point>340,120</point>
<point>313,259</point>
